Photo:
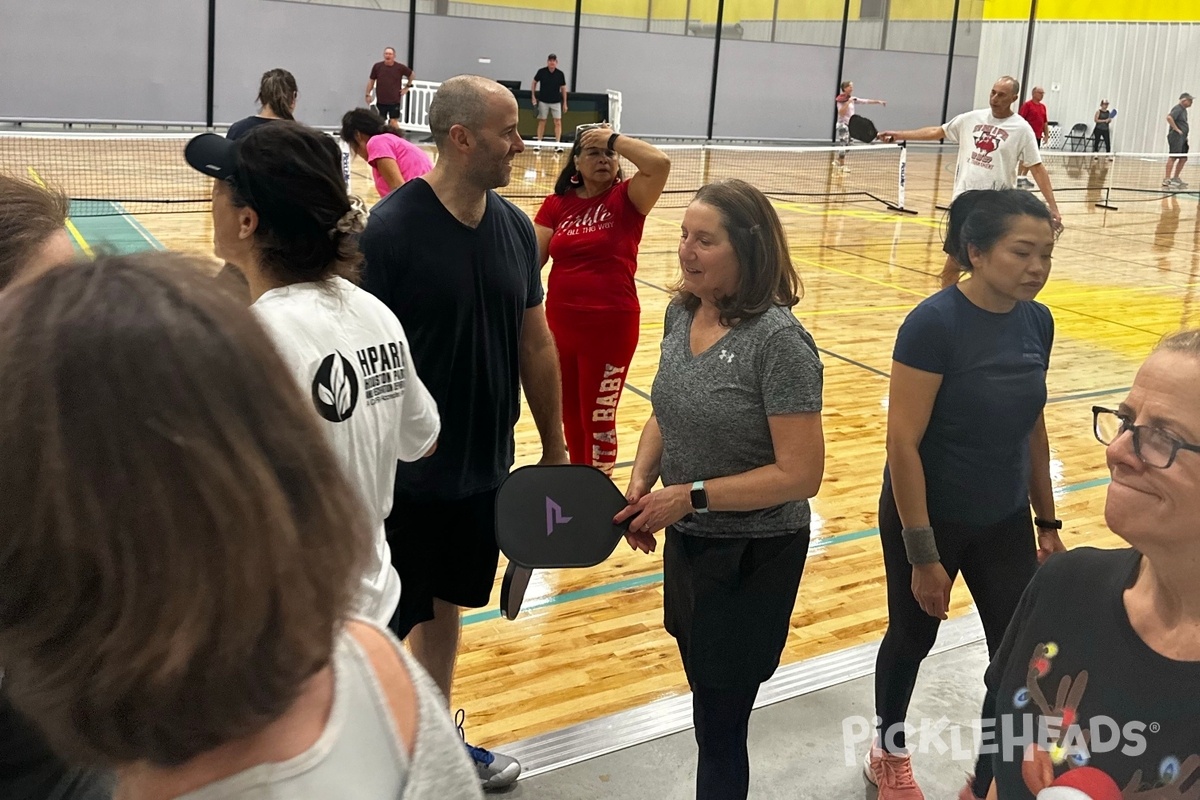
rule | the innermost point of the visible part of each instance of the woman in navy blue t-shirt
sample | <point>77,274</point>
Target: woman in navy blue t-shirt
<point>967,454</point>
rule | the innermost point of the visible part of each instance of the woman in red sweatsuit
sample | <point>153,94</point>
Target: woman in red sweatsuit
<point>591,226</point>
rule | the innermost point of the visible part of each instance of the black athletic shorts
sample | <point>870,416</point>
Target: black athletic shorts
<point>388,110</point>
<point>1177,145</point>
<point>445,549</point>
<point>960,209</point>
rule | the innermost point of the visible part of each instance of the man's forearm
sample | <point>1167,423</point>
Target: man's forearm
<point>930,134</point>
<point>1042,178</point>
<point>542,383</point>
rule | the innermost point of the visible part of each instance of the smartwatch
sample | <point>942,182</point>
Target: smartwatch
<point>699,498</point>
<point>1053,524</point>
<point>612,145</point>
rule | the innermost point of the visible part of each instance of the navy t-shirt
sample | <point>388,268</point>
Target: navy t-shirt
<point>1073,677</point>
<point>243,126</point>
<point>461,294</point>
<point>993,366</point>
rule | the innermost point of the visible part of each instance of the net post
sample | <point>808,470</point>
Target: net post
<point>1112,173</point>
<point>901,182</point>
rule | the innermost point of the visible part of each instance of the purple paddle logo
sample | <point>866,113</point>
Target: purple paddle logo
<point>554,516</point>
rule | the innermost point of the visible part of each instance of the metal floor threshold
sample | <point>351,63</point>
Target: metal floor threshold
<point>562,748</point>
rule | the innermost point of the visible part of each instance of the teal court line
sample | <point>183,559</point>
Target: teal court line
<point>105,225</point>
<point>656,577</point>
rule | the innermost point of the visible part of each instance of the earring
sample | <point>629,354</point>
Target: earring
<point>575,179</point>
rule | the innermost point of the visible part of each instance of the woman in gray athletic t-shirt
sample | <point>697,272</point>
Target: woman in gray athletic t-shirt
<point>736,437</point>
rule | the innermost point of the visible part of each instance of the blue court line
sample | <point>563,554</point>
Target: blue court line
<point>647,580</point>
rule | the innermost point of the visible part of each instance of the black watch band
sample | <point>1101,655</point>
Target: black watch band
<point>1055,524</point>
<point>612,141</point>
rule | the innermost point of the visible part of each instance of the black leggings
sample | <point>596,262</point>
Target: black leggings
<point>722,718</point>
<point>997,562</point>
<point>1098,134</point>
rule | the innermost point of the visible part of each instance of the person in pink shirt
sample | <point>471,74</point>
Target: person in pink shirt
<point>393,158</point>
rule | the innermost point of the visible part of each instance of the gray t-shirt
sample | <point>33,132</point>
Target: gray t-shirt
<point>1179,114</point>
<point>712,410</point>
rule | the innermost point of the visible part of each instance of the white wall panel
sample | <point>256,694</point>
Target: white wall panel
<point>1140,68</point>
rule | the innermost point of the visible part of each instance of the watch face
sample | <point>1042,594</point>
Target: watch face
<point>699,499</point>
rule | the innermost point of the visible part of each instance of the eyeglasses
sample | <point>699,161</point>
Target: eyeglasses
<point>1154,446</point>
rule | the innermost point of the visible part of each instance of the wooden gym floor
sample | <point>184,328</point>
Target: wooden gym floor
<point>591,642</point>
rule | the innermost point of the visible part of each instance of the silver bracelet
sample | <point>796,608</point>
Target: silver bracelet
<point>920,545</point>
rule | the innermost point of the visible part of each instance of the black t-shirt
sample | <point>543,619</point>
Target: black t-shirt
<point>461,294</point>
<point>30,771</point>
<point>550,85</point>
<point>1071,646</point>
<point>243,126</point>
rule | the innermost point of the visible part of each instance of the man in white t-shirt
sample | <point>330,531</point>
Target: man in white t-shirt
<point>992,143</point>
<point>350,354</point>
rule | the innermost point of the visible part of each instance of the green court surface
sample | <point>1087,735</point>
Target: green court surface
<point>98,225</point>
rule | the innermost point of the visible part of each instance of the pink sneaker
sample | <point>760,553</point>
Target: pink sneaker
<point>892,774</point>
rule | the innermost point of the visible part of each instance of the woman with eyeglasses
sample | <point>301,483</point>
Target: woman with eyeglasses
<point>1104,651</point>
<point>967,455</point>
<point>591,227</point>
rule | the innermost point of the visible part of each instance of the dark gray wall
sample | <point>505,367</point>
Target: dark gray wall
<point>329,49</point>
<point>146,60</point>
<point>103,59</point>
<point>664,80</point>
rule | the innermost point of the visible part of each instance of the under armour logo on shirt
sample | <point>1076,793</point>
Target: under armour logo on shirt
<point>725,356</point>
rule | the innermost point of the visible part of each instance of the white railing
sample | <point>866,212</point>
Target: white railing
<point>415,113</point>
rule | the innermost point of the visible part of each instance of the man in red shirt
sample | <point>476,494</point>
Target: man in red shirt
<point>388,82</point>
<point>1035,114</point>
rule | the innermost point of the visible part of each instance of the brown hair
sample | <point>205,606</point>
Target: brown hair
<point>292,176</point>
<point>766,276</point>
<point>29,215</point>
<point>277,91</point>
<point>180,546</point>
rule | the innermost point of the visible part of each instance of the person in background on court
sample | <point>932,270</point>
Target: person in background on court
<point>967,455</point>
<point>735,435</point>
<point>592,226</point>
<point>991,143</point>
<point>277,95</point>
<point>458,264</point>
<point>197,644</point>
<point>550,96</point>
<point>1177,142</point>
<point>393,158</point>
<point>34,238</point>
<point>846,102</point>
<point>388,82</point>
<point>1103,120</point>
<point>1117,632</point>
<point>1034,112</point>
<point>280,209</point>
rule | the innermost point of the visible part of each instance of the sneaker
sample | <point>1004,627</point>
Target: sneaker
<point>892,774</point>
<point>1180,184</point>
<point>1169,182</point>
<point>495,770</point>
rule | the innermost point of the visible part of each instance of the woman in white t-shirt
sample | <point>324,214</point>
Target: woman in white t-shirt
<point>280,209</point>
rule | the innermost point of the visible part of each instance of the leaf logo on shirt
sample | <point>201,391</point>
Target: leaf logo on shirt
<point>335,388</point>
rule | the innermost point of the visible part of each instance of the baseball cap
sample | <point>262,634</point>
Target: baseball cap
<point>1185,96</point>
<point>213,155</point>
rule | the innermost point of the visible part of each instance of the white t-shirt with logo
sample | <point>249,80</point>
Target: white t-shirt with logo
<point>351,358</point>
<point>990,149</point>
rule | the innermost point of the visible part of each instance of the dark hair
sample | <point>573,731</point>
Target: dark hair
<point>766,275</point>
<point>180,544</point>
<point>990,218</point>
<point>29,215</point>
<point>277,91</point>
<point>364,121</point>
<point>291,175</point>
<point>569,169</point>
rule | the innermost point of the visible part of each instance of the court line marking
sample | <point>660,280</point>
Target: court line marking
<point>71,229</point>
<point>640,581</point>
<point>136,224</point>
